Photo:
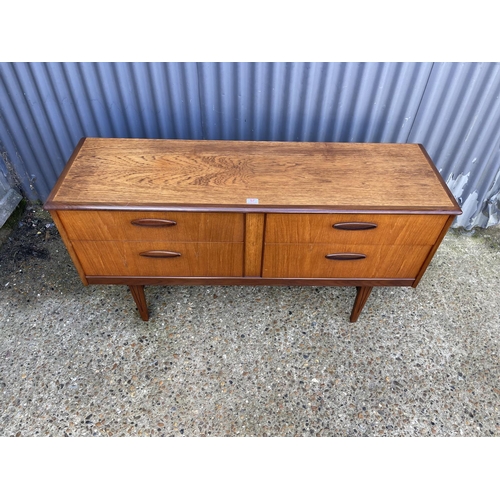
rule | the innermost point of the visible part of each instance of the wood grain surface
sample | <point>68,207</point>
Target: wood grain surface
<point>117,225</point>
<point>308,261</point>
<point>254,240</point>
<point>244,281</point>
<point>69,246</point>
<point>121,258</point>
<point>394,229</point>
<point>250,213</point>
<point>433,251</point>
<point>128,172</point>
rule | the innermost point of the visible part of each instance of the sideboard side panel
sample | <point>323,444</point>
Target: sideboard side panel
<point>447,225</point>
<point>69,246</point>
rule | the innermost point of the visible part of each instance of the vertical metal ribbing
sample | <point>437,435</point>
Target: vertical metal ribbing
<point>453,109</point>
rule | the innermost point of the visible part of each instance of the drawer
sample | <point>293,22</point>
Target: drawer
<point>122,258</point>
<point>156,226</point>
<point>389,229</point>
<point>309,261</point>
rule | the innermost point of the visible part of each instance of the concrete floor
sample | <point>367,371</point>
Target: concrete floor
<point>247,361</point>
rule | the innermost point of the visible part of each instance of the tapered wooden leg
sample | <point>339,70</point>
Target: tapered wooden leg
<point>359,303</point>
<point>140,300</point>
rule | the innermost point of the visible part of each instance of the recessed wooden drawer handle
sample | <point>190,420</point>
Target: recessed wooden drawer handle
<point>345,256</point>
<point>355,226</point>
<point>153,222</point>
<point>160,254</point>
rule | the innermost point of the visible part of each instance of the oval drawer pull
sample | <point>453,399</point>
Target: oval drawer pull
<point>153,222</point>
<point>160,254</point>
<point>345,256</point>
<point>355,226</point>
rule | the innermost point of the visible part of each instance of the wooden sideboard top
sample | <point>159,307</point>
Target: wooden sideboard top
<point>250,176</point>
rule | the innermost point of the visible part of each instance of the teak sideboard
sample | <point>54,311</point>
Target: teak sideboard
<point>142,212</point>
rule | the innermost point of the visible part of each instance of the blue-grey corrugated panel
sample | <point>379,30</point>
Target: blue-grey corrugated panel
<point>12,136</point>
<point>356,102</point>
<point>459,124</point>
<point>4,181</point>
<point>453,109</point>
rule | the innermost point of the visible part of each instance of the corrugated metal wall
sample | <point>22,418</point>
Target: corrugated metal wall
<point>459,124</point>
<point>451,108</point>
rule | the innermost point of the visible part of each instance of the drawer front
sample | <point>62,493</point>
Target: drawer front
<point>152,226</point>
<point>309,261</point>
<point>354,228</point>
<point>123,258</point>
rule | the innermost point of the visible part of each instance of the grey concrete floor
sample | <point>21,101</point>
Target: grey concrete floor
<point>247,361</point>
